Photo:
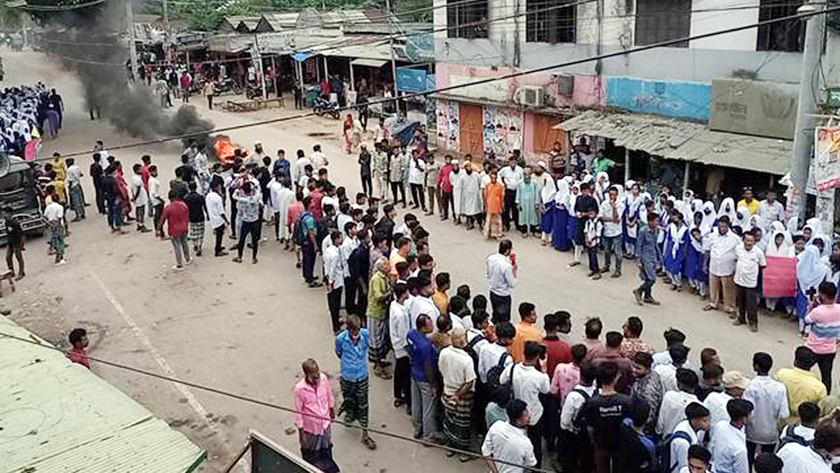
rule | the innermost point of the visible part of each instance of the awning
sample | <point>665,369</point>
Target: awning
<point>682,140</point>
<point>375,63</point>
<point>60,416</point>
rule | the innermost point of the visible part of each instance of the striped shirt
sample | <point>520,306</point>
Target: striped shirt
<point>825,328</point>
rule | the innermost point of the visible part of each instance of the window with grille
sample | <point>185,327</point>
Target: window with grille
<point>658,21</point>
<point>467,19</point>
<point>784,36</point>
<point>551,21</point>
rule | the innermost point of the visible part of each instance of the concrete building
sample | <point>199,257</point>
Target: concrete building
<point>737,84</point>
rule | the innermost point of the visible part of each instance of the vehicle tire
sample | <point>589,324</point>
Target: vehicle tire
<point>236,89</point>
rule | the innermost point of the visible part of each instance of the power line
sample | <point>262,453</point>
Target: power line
<point>271,405</point>
<point>45,8</point>
<point>488,80</point>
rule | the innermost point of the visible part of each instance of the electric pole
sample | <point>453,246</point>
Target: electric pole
<point>166,21</point>
<point>809,88</point>
<point>132,42</point>
<point>393,61</point>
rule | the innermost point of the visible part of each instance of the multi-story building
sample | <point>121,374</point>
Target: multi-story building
<point>689,109</point>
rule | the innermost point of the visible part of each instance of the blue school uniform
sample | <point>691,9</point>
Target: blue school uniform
<point>559,230</point>
<point>675,253</point>
<point>571,226</point>
<point>694,268</point>
<point>547,219</point>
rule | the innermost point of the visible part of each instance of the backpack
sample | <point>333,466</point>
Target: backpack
<point>495,388</point>
<point>791,437</point>
<point>578,421</point>
<point>663,451</point>
<point>298,234</point>
<point>471,350</point>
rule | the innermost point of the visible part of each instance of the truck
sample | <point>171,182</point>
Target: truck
<point>19,198</point>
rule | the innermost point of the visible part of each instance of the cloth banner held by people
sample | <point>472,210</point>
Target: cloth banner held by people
<point>780,277</point>
<point>827,157</point>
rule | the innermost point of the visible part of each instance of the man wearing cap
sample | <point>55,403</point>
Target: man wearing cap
<point>734,385</point>
<point>471,201</point>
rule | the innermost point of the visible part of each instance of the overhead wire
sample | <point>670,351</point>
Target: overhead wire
<point>488,80</point>
<point>275,406</point>
<point>47,8</point>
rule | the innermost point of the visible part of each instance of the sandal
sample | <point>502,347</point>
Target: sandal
<point>369,443</point>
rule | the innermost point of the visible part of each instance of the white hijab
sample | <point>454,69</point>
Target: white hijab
<point>561,196</point>
<point>778,250</point>
<point>727,207</point>
<point>709,216</point>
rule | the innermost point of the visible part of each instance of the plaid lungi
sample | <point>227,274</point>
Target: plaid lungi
<point>317,450</point>
<point>56,236</point>
<point>355,402</point>
<point>457,417</point>
<point>380,339</point>
<point>196,233</point>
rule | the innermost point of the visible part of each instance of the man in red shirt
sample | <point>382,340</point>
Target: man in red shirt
<point>612,354</point>
<point>556,351</point>
<point>79,341</point>
<point>446,188</point>
<point>177,215</point>
<point>145,173</point>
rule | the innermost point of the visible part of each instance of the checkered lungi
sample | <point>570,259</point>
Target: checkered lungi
<point>196,233</point>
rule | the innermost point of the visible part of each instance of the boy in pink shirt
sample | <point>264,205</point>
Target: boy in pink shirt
<point>567,375</point>
<point>824,321</point>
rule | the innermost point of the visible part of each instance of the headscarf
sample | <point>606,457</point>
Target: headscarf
<point>645,198</point>
<point>677,234</point>
<point>561,195</point>
<point>727,207</point>
<point>757,221</point>
<point>633,203</point>
<point>742,218</point>
<point>696,206</point>
<point>815,225</point>
<point>601,188</point>
<point>708,223</point>
<point>810,270</point>
<point>549,189</point>
<point>571,199</point>
<point>826,245</point>
<point>792,224</point>
<point>778,250</point>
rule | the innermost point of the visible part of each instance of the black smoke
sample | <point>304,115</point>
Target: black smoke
<point>92,42</point>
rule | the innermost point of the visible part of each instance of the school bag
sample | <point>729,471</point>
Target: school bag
<point>578,421</point>
<point>792,437</point>
<point>495,387</point>
<point>471,350</point>
<point>663,451</point>
<point>298,234</point>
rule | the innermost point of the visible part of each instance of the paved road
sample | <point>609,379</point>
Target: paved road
<point>246,328</point>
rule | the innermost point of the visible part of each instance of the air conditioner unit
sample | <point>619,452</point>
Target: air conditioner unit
<point>532,96</point>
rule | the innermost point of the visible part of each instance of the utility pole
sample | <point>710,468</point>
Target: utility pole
<point>809,87</point>
<point>393,61</point>
<point>166,20</point>
<point>132,42</point>
<point>262,69</point>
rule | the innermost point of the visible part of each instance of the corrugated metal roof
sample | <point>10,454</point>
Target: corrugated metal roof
<point>57,416</point>
<point>687,141</point>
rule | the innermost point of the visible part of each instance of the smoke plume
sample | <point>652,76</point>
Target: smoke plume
<point>89,42</point>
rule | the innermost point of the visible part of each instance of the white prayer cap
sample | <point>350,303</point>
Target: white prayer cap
<point>541,164</point>
<point>454,161</point>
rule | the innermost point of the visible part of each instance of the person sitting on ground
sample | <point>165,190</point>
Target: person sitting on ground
<point>79,342</point>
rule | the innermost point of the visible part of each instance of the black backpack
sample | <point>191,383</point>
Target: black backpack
<point>663,451</point>
<point>791,437</point>
<point>471,350</point>
<point>578,421</point>
<point>495,388</point>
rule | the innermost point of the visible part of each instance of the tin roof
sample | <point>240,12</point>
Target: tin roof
<point>682,140</point>
<point>58,416</point>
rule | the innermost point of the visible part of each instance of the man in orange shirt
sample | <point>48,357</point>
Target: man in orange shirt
<point>526,331</point>
<point>494,197</point>
<point>402,250</point>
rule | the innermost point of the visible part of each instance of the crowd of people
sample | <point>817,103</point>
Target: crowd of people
<point>28,113</point>
<point>520,393</point>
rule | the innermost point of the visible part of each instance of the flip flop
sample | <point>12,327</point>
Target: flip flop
<point>369,443</point>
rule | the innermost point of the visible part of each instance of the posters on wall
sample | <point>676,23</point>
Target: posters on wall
<point>503,130</point>
<point>827,157</point>
<point>448,124</point>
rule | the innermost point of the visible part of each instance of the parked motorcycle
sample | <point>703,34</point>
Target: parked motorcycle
<point>325,107</point>
<point>228,85</point>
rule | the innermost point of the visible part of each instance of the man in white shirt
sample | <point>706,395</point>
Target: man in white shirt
<point>750,261</point>
<point>501,270</point>
<point>734,385</point>
<point>494,353</point>
<point>771,210</point>
<point>686,434</point>
<point>300,167</point>
<point>729,450</point>
<point>508,442</point>
<point>818,457</point>
<point>672,337</point>
<point>423,304</point>
<point>398,331</point>
<point>74,182</point>
<point>458,374</point>
<point>528,383</point>
<point>770,402</point>
<point>215,212</point>
<point>318,159</point>
<point>156,198</point>
<point>416,178</point>
<point>668,373</point>
<point>672,410</point>
<point>610,213</point>
<point>54,214</point>
<point>139,197</point>
<point>511,175</point>
<point>334,277</point>
<point>722,259</point>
